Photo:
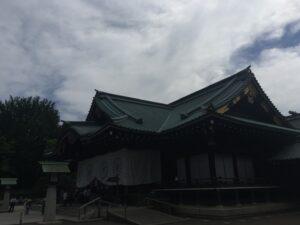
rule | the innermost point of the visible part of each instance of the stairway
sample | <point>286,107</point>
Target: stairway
<point>70,211</point>
<point>144,216</point>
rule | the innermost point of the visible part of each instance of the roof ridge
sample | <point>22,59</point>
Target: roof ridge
<point>200,106</point>
<point>134,100</point>
<point>129,114</point>
<point>210,87</point>
<point>260,122</point>
<point>290,117</point>
<point>79,122</point>
<point>284,119</point>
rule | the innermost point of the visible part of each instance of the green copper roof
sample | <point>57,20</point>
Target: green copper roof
<point>148,116</point>
<point>157,117</point>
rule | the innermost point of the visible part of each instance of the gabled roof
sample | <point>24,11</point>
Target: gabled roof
<point>148,116</point>
<point>132,113</point>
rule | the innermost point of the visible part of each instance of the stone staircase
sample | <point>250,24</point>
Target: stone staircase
<point>143,216</point>
<point>70,211</point>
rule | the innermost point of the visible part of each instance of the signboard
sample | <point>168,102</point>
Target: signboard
<point>8,181</point>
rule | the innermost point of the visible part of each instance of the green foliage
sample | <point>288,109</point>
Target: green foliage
<point>5,156</point>
<point>27,124</point>
<point>40,187</point>
<point>4,146</point>
<point>50,146</point>
<point>28,118</point>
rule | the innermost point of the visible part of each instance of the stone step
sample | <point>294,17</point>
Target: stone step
<point>144,216</point>
<point>68,211</point>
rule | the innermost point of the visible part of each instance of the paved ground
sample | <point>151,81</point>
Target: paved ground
<point>14,218</point>
<point>32,218</point>
<point>291,218</point>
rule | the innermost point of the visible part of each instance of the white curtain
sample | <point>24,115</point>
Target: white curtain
<point>181,170</point>
<point>224,165</point>
<point>245,167</point>
<point>199,167</point>
<point>133,167</point>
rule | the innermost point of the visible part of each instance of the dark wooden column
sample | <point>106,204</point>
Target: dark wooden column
<point>235,169</point>
<point>188,170</point>
<point>212,166</point>
<point>168,166</point>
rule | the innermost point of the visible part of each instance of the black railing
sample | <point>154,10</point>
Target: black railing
<point>98,208</point>
<point>218,182</point>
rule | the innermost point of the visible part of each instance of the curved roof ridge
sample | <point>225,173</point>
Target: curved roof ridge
<point>130,115</point>
<point>270,102</point>
<point>293,117</point>
<point>208,101</point>
<point>80,122</point>
<point>210,87</point>
<point>133,100</point>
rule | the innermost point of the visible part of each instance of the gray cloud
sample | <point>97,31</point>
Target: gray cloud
<point>158,50</point>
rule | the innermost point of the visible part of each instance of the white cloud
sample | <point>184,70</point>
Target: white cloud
<point>278,74</point>
<point>158,50</point>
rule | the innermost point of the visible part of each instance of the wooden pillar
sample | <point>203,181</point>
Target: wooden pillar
<point>168,167</point>
<point>253,196</point>
<point>268,196</point>
<point>212,167</point>
<point>219,198</point>
<point>235,169</point>
<point>188,170</point>
<point>237,197</point>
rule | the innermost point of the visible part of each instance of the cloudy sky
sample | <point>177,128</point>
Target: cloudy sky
<point>158,50</point>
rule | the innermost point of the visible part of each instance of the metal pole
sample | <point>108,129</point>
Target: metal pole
<point>125,212</point>
<point>21,218</point>
<point>126,195</point>
<point>99,208</point>
<point>107,211</point>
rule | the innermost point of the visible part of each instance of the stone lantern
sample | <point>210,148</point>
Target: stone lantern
<point>53,169</point>
<point>7,183</point>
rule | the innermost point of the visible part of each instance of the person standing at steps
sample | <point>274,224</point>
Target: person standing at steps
<point>65,198</point>
<point>43,206</point>
<point>27,206</point>
<point>12,204</point>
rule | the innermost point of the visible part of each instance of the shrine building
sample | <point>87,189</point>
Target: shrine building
<point>228,135</point>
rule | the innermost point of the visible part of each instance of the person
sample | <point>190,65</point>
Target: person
<point>43,206</point>
<point>65,198</point>
<point>71,198</point>
<point>27,206</point>
<point>12,204</point>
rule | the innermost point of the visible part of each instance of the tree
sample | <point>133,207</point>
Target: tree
<point>5,158</point>
<point>28,123</point>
